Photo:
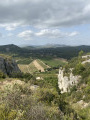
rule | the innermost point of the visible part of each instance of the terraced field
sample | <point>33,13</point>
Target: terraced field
<point>34,66</point>
<point>41,65</point>
<point>23,68</point>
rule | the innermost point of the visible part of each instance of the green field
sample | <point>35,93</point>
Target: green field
<point>44,63</point>
<point>54,62</point>
<point>24,61</point>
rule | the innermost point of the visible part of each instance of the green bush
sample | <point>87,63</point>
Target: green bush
<point>79,69</point>
<point>2,75</point>
<point>6,113</point>
<point>84,113</point>
<point>74,88</point>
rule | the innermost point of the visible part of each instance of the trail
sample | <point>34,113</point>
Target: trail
<point>38,66</point>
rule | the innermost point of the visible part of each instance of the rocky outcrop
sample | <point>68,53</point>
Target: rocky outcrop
<point>86,59</point>
<point>86,56</point>
<point>66,82</point>
<point>8,66</point>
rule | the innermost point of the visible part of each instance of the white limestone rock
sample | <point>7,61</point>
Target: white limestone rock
<point>66,82</point>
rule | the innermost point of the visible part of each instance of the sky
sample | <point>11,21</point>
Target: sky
<point>39,22</point>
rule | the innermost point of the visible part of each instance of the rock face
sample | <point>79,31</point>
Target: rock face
<point>66,82</point>
<point>8,66</point>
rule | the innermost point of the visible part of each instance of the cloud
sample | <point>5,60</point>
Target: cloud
<point>0,34</point>
<point>27,35</point>
<point>47,33</point>
<point>74,34</point>
<point>10,26</point>
<point>87,9</point>
<point>44,13</point>
<point>55,33</point>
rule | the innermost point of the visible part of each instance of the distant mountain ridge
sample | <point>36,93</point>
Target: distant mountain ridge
<point>44,46</point>
<point>9,48</point>
<point>58,51</point>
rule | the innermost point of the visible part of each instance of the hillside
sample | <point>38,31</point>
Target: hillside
<point>11,48</point>
<point>66,52</point>
<point>44,46</point>
<point>75,85</point>
<point>34,66</point>
<point>35,94</point>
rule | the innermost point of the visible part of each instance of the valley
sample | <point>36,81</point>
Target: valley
<point>36,89</point>
<point>44,60</point>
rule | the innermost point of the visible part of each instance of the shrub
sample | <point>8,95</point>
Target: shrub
<point>79,69</point>
<point>2,75</point>
<point>6,113</point>
<point>74,88</point>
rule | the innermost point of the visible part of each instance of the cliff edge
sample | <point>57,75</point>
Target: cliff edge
<point>8,66</point>
<point>66,82</point>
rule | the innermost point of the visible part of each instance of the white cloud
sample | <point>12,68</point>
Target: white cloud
<point>55,33</point>
<point>87,9</point>
<point>45,13</point>
<point>74,34</point>
<point>47,33</point>
<point>10,26</point>
<point>27,35</point>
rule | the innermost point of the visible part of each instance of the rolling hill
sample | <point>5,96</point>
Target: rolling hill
<point>66,52</point>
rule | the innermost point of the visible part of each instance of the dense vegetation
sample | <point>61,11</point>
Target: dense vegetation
<point>81,92</point>
<point>24,97</point>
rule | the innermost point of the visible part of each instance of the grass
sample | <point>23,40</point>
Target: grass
<point>28,68</point>
<point>49,79</point>
<point>5,56</point>
<point>24,61</point>
<point>54,62</point>
<point>42,64</point>
<point>23,68</point>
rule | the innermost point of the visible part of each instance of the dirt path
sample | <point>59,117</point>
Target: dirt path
<point>38,66</point>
